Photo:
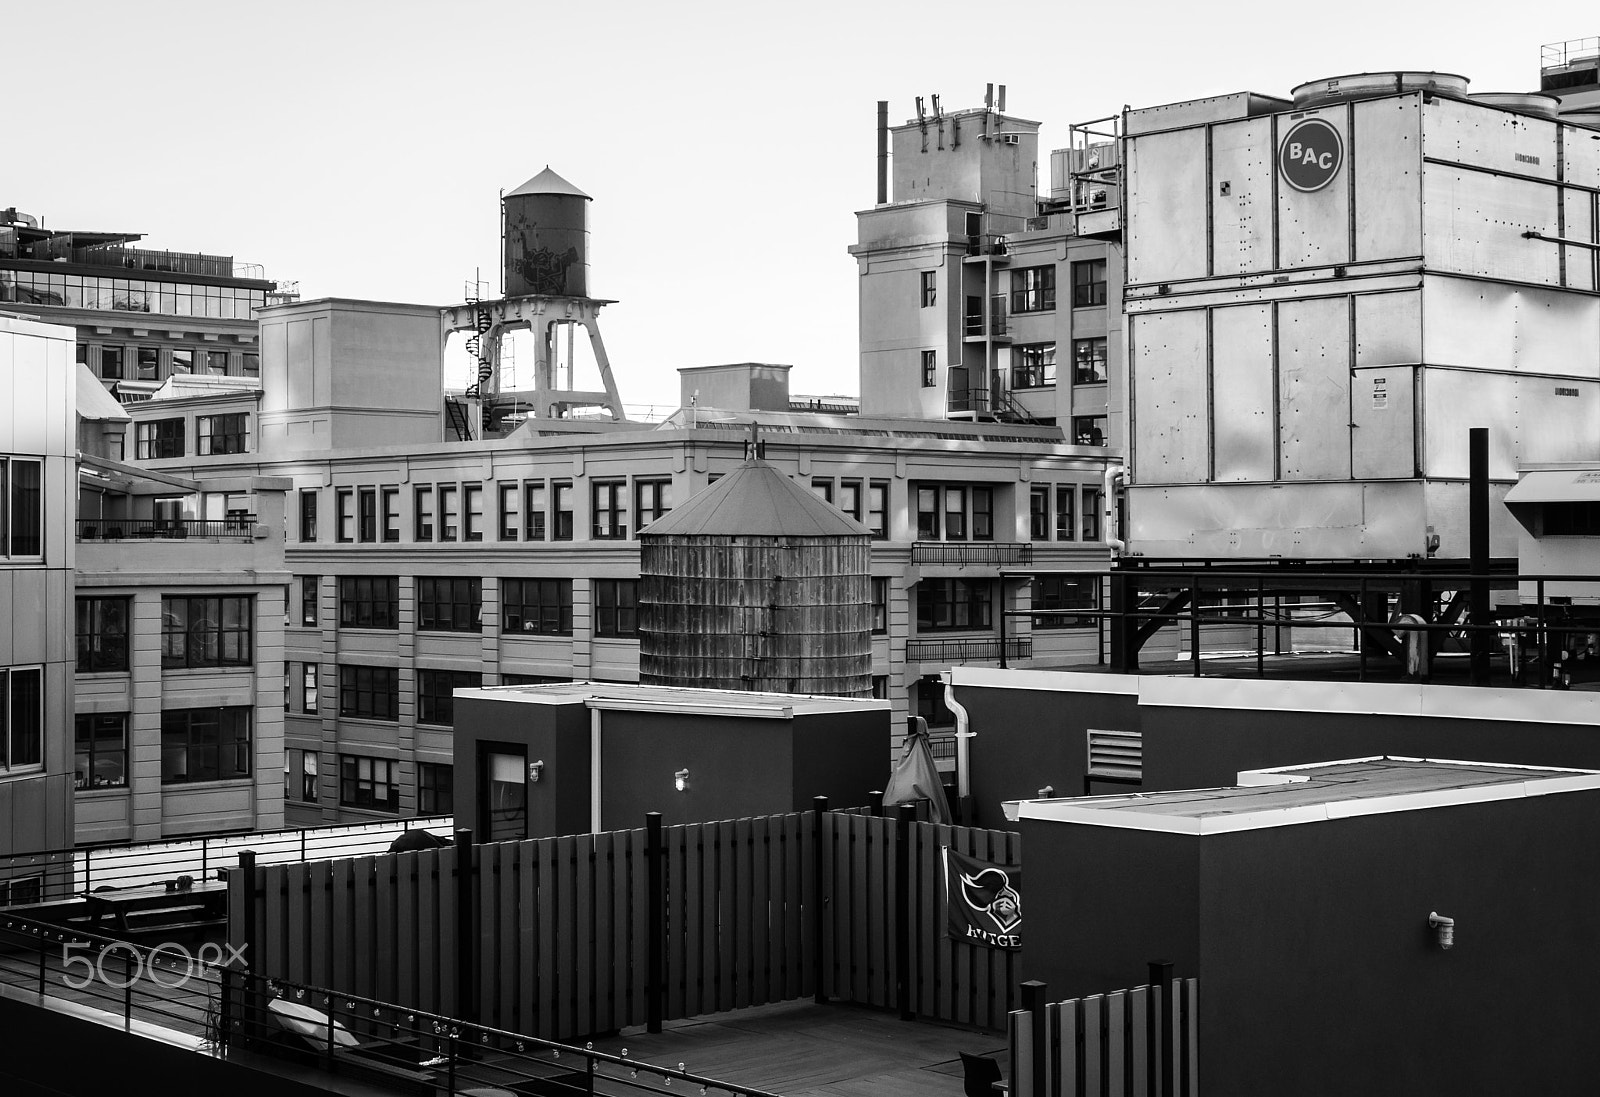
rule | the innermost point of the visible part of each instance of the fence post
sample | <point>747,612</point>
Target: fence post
<point>819,808</point>
<point>205,859</point>
<point>875,802</point>
<point>466,996</point>
<point>1033,1000</point>
<point>1161,1015</point>
<point>88,862</point>
<point>247,916</point>
<point>902,908</point>
<point>656,918</point>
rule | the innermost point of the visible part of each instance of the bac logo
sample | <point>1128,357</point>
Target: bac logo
<point>1311,155</point>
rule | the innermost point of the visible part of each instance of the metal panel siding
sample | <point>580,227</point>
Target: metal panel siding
<point>1388,178</point>
<point>1314,389</point>
<point>1558,420</point>
<point>1578,215</point>
<point>1454,401</point>
<point>1473,224</point>
<point>1388,328</point>
<point>1314,226</point>
<point>1167,206</point>
<point>1383,408</point>
<point>1241,160</point>
<point>1242,428</point>
<point>1483,325</point>
<point>1580,156</point>
<point>1167,358</point>
<point>1467,133</point>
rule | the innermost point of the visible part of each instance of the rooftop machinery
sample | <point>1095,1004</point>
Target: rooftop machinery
<point>546,278</point>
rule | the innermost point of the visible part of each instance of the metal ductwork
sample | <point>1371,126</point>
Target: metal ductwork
<point>1371,85</point>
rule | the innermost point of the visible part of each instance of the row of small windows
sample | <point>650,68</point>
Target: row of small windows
<point>450,604</point>
<point>1055,513</point>
<point>156,439</point>
<point>197,744</point>
<point>1033,289</point>
<point>196,631</point>
<point>80,291</point>
<point>114,362</point>
<point>954,605</point>
<point>369,784</point>
<point>1033,365</point>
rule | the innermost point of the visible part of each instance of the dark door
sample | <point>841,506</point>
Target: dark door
<point>502,792</point>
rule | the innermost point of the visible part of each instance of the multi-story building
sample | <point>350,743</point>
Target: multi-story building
<point>141,315</point>
<point>37,384</point>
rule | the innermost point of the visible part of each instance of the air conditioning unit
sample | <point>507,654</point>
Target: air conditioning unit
<point>1038,224</point>
<point>1097,197</point>
<point>1010,139</point>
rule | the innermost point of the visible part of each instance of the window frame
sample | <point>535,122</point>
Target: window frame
<point>1033,365</point>
<point>562,526</point>
<point>367,515</point>
<point>1089,361</point>
<point>954,604</point>
<point>390,510</point>
<point>214,632</point>
<point>239,738</point>
<point>310,601</point>
<point>879,605</point>
<point>1033,289</point>
<point>616,616</point>
<point>344,515</point>
<point>159,439</point>
<point>930,369</point>
<point>361,777</point>
<point>652,496</point>
<point>1050,592</point>
<point>93,723</point>
<point>22,509</point>
<point>510,509</point>
<point>369,602</point>
<point>232,427</point>
<point>435,694</point>
<point>472,512</point>
<point>550,617</point>
<point>301,775</point>
<point>535,515</point>
<point>608,510</point>
<point>369,693</point>
<point>1088,291</point>
<point>422,514</point>
<point>929,286</point>
<point>308,515</point>
<point>94,636</point>
<point>435,796</point>
<point>463,595</point>
<point>12,702</point>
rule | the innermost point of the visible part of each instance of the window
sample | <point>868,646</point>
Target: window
<point>252,365</point>
<point>21,717</point>
<point>1063,592</point>
<point>529,679</point>
<point>616,607</point>
<point>823,489</point>
<point>930,288</point>
<point>449,605</point>
<point>183,361</point>
<point>1088,361</point>
<point>224,434</point>
<point>1033,365</point>
<point>1039,514</point>
<point>344,516</point>
<point>300,776</point>
<point>308,688</point>
<point>930,368</point>
<point>1066,498</point>
<point>1574,519</point>
<point>369,693</point>
<point>449,513</point>
<point>435,791</point>
<point>217,362</point>
<point>111,363</point>
<point>158,438</point>
<point>22,891</point>
<point>878,510</point>
<point>204,744</point>
<point>369,601</point>
<point>367,515</point>
<point>435,700</point>
<point>369,784</point>
<point>927,514</point>
<point>563,503</point>
<point>391,514</point>
<point>880,686</point>
<point>1088,283</point>
<point>955,514</point>
<point>1091,514</point>
<point>102,634</point>
<point>946,508</point>
<point>949,604</point>
<point>1033,289</point>
<point>308,516</point>
<point>651,500</point>
<point>850,498</point>
<point>424,515</point>
<point>610,513</point>
<point>536,606</point>
<point>930,703</point>
<point>288,682</point>
<point>206,632</point>
<point>983,514</point>
<point>1089,430</point>
<point>100,746</point>
<point>472,497</point>
<point>510,519</point>
<point>533,513</point>
<point>149,362</point>
<point>880,605</point>
<point>310,586</point>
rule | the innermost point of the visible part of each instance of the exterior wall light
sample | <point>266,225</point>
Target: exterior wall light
<point>535,771</point>
<point>680,780</point>
<point>1444,929</point>
<point>1045,793</point>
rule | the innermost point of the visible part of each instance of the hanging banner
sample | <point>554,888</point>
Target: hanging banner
<point>982,901</point>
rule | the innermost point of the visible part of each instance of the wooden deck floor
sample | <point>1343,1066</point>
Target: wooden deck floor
<point>800,1049</point>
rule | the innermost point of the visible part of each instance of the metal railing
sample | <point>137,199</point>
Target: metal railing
<point>227,1009</point>
<point>979,649</point>
<point>974,325</point>
<point>968,553</point>
<point>965,398</point>
<point>237,528</point>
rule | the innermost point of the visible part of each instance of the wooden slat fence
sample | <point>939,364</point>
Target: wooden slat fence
<point>560,944</point>
<point>1109,1045</point>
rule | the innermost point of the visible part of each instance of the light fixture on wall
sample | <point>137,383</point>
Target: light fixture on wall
<point>1045,793</point>
<point>680,780</point>
<point>1444,929</point>
<point>535,771</point>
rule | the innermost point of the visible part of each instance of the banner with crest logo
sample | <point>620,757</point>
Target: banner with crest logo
<point>982,901</point>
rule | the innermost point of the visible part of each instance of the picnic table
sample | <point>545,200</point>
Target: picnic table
<point>199,903</point>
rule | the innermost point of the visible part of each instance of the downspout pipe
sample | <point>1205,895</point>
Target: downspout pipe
<point>1115,475</point>
<point>963,733</point>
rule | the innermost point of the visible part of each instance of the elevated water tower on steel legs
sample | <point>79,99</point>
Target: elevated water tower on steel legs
<point>546,276</point>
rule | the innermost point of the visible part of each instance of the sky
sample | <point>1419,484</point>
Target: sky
<point>359,148</point>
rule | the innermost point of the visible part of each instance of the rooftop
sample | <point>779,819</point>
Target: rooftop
<point>755,500</point>
<point>1314,793</point>
<point>710,702</point>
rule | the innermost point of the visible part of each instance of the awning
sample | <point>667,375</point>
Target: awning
<point>1557,486</point>
<point>95,403</point>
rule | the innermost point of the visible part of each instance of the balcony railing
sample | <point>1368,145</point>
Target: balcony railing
<point>967,553</point>
<point>974,326</point>
<point>981,649</point>
<point>240,527</point>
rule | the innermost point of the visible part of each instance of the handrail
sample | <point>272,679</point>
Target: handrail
<point>964,553</point>
<point>242,527</point>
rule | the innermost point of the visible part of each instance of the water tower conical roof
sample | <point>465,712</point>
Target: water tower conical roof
<point>756,500</point>
<point>547,182</point>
